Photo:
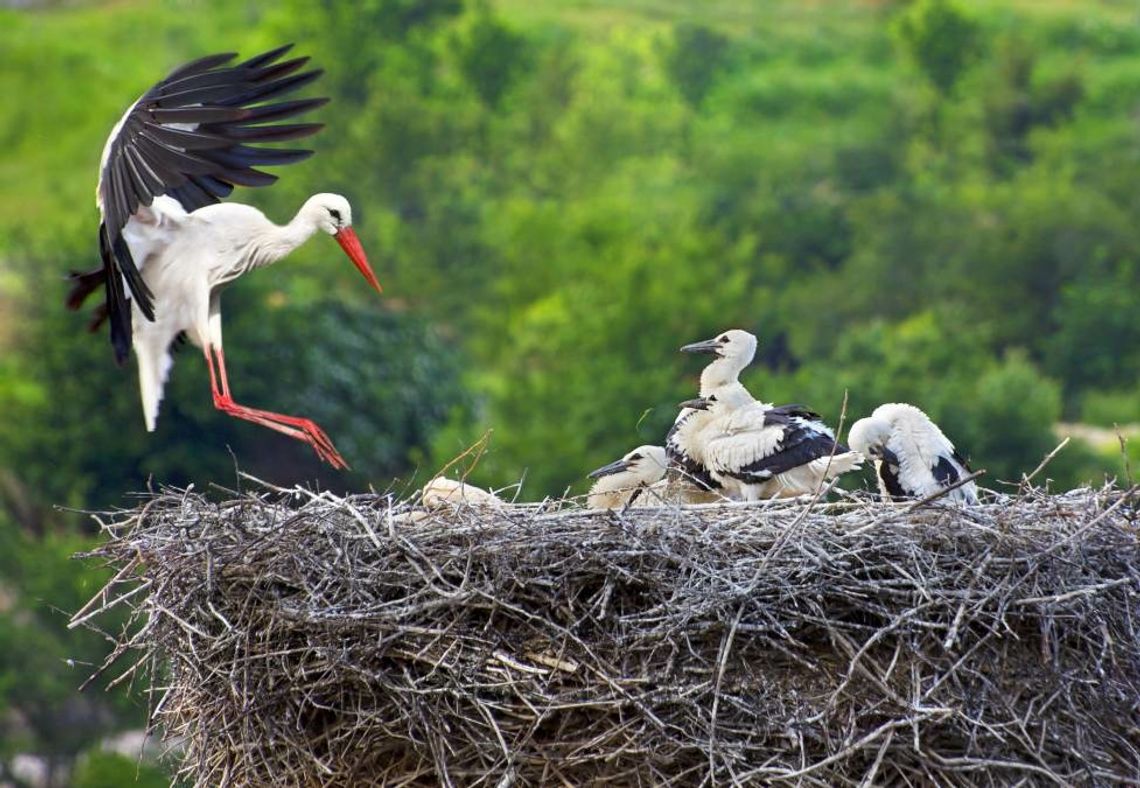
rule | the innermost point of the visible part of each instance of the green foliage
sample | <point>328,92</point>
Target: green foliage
<point>42,663</point>
<point>490,57</point>
<point>1111,407</point>
<point>110,770</point>
<point>1015,105</point>
<point>696,56</point>
<point>1097,342</point>
<point>1015,396</point>
<point>942,39</point>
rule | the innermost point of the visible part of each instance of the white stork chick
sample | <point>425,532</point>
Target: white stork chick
<point>442,492</point>
<point>733,350</point>
<point>913,458</point>
<point>622,481</point>
<point>759,451</point>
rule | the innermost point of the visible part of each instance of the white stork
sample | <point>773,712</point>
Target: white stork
<point>913,458</point>
<point>622,481</point>
<point>759,451</point>
<point>169,248</point>
<point>734,350</point>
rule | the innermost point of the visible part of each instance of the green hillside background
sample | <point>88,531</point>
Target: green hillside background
<point>931,201</point>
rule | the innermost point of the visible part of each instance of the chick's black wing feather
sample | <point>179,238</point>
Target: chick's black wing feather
<point>801,443</point>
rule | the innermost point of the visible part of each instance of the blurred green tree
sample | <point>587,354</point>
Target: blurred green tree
<point>942,39</point>
<point>490,56</point>
<point>698,54</point>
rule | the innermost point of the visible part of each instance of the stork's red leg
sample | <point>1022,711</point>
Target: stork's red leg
<point>295,427</point>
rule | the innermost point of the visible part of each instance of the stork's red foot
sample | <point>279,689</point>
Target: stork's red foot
<point>294,426</point>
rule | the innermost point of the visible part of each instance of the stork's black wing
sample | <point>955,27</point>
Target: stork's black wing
<point>801,443</point>
<point>192,137</point>
<point>944,471</point>
<point>890,473</point>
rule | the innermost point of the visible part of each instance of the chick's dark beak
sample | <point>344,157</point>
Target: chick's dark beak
<point>708,346</point>
<point>617,466</point>
<point>700,403</point>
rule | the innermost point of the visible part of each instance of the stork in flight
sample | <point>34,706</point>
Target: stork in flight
<point>169,246</point>
<point>913,457</point>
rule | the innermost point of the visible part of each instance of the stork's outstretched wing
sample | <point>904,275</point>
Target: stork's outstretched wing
<point>191,137</point>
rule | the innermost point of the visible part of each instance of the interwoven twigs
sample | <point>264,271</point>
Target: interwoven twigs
<point>292,638</point>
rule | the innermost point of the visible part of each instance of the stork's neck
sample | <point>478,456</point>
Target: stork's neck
<point>721,372</point>
<point>278,240</point>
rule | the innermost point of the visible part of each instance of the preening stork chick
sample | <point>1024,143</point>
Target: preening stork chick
<point>733,350</point>
<point>913,457</point>
<point>622,481</point>
<point>758,451</point>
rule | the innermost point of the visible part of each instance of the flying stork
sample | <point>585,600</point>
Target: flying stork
<point>733,350</point>
<point>169,247</point>
<point>622,481</point>
<point>913,458</point>
<point>757,451</point>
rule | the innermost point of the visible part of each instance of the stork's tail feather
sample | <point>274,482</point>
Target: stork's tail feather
<point>153,372</point>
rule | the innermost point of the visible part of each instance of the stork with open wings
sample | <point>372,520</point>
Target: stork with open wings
<point>168,245</point>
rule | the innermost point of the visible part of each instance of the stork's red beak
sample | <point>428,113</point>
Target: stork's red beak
<point>348,241</point>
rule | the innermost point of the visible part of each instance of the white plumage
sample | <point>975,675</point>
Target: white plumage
<point>442,492</point>
<point>757,451</point>
<point>621,482</point>
<point>913,458</point>
<point>734,350</point>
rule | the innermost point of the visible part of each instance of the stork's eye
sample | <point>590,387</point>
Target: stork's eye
<point>723,338</point>
<point>635,457</point>
<point>334,213</point>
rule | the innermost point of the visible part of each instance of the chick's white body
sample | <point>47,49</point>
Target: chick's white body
<point>913,457</point>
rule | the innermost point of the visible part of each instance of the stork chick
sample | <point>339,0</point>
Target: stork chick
<point>442,492</point>
<point>759,451</point>
<point>913,457</point>
<point>622,481</point>
<point>733,350</point>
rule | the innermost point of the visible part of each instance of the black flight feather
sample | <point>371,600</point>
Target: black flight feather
<point>216,107</point>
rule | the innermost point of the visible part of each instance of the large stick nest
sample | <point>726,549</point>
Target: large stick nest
<point>290,638</point>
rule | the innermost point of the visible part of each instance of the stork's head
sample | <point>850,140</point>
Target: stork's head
<point>646,464</point>
<point>332,214</point>
<point>869,436</point>
<point>734,350</point>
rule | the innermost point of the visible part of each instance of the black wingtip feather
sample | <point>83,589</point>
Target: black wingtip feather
<point>266,57</point>
<point>126,266</point>
<point>201,64</point>
<point>274,89</point>
<point>278,133</point>
<point>117,308</point>
<point>283,109</point>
